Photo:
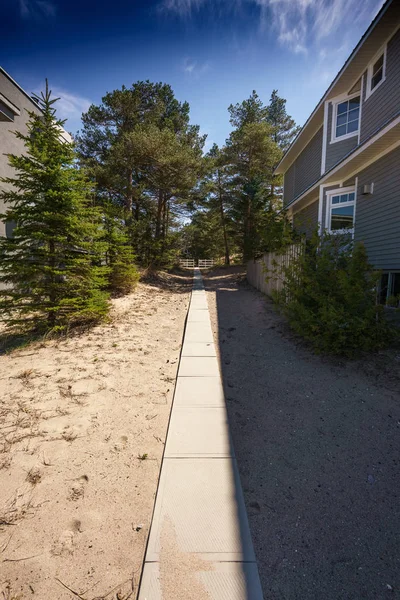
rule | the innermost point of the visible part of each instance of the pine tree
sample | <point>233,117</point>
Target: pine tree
<point>122,273</point>
<point>285,128</point>
<point>51,266</point>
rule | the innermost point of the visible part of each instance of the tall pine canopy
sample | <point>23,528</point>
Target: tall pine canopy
<point>51,266</point>
<point>285,128</point>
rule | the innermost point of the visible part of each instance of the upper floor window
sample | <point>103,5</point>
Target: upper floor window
<point>346,118</point>
<point>376,73</point>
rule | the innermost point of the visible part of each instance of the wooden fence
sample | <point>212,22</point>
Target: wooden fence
<point>205,263</point>
<point>187,262</point>
<point>202,263</point>
<point>266,273</point>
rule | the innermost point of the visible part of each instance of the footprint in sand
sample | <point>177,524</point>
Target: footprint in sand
<point>77,490</point>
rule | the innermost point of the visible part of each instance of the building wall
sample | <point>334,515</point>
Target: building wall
<point>384,102</point>
<point>9,143</point>
<point>306,220</point>
<point>377,222</point>
<point>305,170</point>
<point>335,151</point>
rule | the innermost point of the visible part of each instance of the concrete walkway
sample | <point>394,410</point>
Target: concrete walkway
<point>199,546</point>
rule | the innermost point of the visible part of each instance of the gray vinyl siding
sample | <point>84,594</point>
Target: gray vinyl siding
<point>308,164</point>
<point>306,220</point>
<point>305,170</point>
<point>288,185</point>
<point>337,150</point>
<point>384,102</point>
<point>377,221</point>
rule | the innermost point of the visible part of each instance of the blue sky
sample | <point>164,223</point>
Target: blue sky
<point>212,52</point>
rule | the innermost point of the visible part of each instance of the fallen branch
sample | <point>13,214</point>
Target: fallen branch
<point>70,589</point>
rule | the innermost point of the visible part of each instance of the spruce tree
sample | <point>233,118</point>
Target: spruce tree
<point>122,273</point>
<point>51,266</point>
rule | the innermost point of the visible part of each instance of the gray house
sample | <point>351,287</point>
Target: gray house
<point>342,172</point>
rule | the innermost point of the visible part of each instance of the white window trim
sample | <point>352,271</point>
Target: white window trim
<point>368,91</point>
<point>335,104</point>
<point>338,192</point>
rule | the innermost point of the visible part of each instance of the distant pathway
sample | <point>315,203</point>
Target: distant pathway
<point>199,546</point>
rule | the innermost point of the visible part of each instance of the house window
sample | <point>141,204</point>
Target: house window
<point>347,116</point>
<point>341,212</point>
<point>376,74</point>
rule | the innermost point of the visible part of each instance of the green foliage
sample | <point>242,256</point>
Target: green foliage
<point>330,297</point>
<point>145,157</point>
<point>203,237</point>
<point>119,258</point>
<point>251,155</point>
<point>248,111</point>
<point>285,129</point>
<point>276,231</point>
<point>211,232</point>
<point>51,266</point>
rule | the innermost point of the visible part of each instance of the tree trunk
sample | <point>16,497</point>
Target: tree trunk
<point>129,195</point>
<point>160,205</point>
<point>247,231</point>
<point>223,221</point>
<point>137,210</point>
<point>51,317</point>
<point>167,221</point>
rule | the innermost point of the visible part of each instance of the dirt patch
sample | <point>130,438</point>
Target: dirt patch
<point>82,431</point>
<point>317,445</point>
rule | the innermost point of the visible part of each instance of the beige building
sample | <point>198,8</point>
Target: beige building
<point>14,104</point>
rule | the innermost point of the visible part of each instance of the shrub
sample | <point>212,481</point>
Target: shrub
<point>330,297</point>
<point>122,273</point>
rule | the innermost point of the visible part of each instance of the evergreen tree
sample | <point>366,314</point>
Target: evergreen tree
<point>51,264</point>
<point>212,198</point>
<point>249,111</point>
<point>251,155</point>
<point>143,152</point>
<point>120,260</point>
<point>284,127</point>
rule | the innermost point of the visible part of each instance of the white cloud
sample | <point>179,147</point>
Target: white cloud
<point>182,7</point>
<point>194,69</point>
<point>37,10</point>
<point>69,106</point>
<point>299,24</point>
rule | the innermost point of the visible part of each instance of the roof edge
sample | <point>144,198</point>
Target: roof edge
<point>319,181</point>
<point>4,72</point>
<point>366,34</point>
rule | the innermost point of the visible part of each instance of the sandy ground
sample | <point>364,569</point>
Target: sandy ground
<point>317,442</point>
<point>82,429</point>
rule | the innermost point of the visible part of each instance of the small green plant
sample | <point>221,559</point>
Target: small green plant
<point>393,301</point>
<point>143,456</point>
<point>123,274</point>
<point>329,296</point>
